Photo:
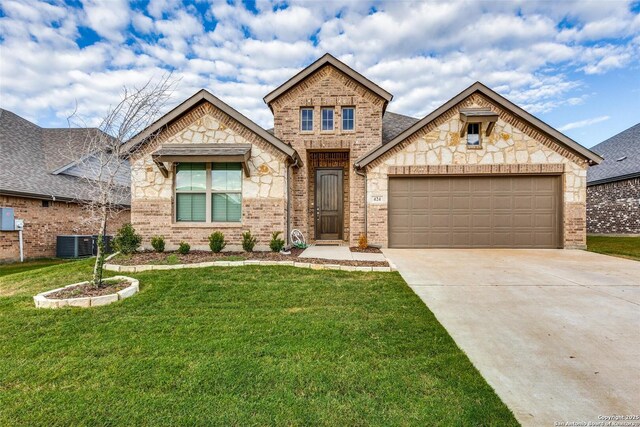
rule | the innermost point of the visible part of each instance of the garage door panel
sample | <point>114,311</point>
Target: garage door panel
<point>504,211</point>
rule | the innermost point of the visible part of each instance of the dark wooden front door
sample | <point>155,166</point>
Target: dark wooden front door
<point>329,194</point>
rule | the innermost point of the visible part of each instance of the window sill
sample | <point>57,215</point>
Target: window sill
<point>206,225</point>
<point>474,147</point>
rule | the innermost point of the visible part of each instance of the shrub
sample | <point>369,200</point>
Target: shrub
<point>157,242</point>
<point>184,248</point>
<point>276,244</point>
<point>217,242</point>
<point>363,243</point>
<point>248,241</point>
<point>126,240</point>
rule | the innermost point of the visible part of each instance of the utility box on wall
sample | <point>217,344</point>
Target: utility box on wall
<point>7,221</point>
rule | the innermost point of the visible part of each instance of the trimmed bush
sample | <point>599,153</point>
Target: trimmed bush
<point>184,248</point>
<point>363,243</point>
<point>276,244</point>
<point>248,241</point>
<point>126,240</point>
<point>157,242</point>
<point>217,242</point>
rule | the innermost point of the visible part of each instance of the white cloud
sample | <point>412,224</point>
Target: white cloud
<point>534,53</point>
<point>108,18</point>
<point>583,123</point>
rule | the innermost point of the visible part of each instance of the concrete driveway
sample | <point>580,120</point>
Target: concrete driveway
<point>555,332</point>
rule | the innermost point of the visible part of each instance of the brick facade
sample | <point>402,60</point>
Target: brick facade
<point>264,196</point>
<point>328,87</point>
<point>614,207</point>
<point>513,147</point>
<point>43,224</point>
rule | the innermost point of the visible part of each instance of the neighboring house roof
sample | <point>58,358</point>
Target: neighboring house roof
<point>369,157</point>
<point>201,96</point>
<point>621,155</point>
<point>316,65</point>
<point>35,162</point>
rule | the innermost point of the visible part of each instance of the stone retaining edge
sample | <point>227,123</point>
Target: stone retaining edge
<point>41,300</point>
<point>140,268</point>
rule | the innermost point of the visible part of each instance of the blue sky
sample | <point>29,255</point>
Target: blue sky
<point>574,64</point>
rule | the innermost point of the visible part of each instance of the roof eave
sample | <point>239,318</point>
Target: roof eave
<point>613,179</point>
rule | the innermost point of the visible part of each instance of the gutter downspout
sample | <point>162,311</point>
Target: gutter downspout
<point>289,177</point>
<point>366,201</point>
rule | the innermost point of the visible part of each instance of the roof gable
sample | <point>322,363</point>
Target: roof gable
<point>533,121</point>
<point>206,96</point>
<point>327,59</point>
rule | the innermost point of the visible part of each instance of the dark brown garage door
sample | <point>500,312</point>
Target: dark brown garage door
<point>474,212</point>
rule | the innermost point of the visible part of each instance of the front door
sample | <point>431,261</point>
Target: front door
<point>329,194</point>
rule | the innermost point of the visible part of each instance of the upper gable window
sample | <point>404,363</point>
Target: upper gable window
<point>306,119</point>
<point>327,119</point>
<point>473,135</point>
<point>348,118</point>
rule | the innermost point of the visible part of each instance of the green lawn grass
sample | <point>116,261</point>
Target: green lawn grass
<point>18,267</point>
<point>626,247</point>
<point>236,346</point>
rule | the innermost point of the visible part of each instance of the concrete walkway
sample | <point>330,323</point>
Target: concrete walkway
<point>555,332</point>
<point>340,253</point>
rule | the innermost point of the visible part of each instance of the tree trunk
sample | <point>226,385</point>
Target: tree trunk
<point>97,267</point>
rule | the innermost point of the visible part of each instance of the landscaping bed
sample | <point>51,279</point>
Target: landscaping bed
<point>88,290</point>
<point>194,257</point>
<point>368,250</point>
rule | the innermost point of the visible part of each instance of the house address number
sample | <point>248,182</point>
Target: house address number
<point>377,198</point>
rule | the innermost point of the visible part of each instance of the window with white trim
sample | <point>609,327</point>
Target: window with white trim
<point>208,192</point>
<point>191,192</point>
<point>226,192</point>
<point>348,118</point>
<point>473,134</point>
<point>327,119</point>
<point>306,119</point>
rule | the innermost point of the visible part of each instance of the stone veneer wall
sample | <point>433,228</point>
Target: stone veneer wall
<point>43,224</point>
<point>512,142</point>
<point>614,207</point>
<point>263,192</point>
<point>328,87</point>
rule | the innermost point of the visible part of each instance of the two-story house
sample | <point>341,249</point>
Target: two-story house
<point>476,172</point>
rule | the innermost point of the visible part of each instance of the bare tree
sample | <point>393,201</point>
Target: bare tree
<point>102,156</point>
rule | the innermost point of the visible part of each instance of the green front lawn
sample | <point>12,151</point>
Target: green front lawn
<point>626,247</point>
<point>18,267</point>
<point>236,346</point>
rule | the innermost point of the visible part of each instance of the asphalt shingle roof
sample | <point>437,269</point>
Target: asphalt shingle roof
<point>393,124</point>
<point>29,154</point>
<point>621,155</point>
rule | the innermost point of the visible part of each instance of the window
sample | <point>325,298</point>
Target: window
<point>45,203</point>
<point>306,119</point>
<point>208,190</point>
<point>348,118</point>
<point>327,119</point>
<point>226,187</point>
<point>191,192</point>
<point>473,135</point>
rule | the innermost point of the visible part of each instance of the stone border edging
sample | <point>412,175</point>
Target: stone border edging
<point>140,268</point>
<point>41,300</point>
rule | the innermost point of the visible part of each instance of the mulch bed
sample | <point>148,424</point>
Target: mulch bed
<point>368,249</point>
<point>84,291</point>
<point>146,258</point>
